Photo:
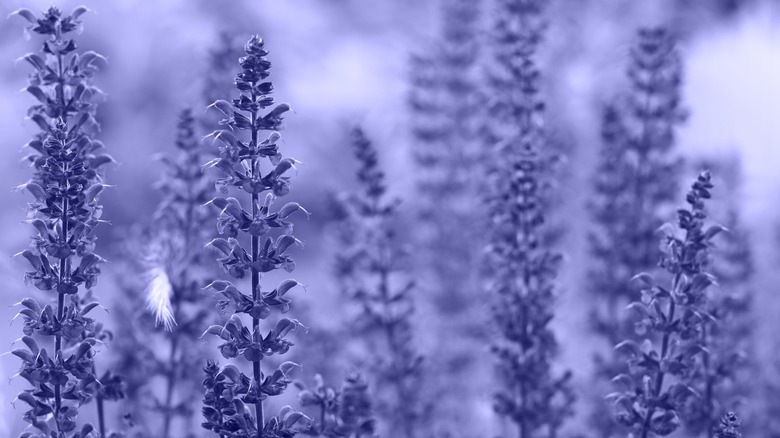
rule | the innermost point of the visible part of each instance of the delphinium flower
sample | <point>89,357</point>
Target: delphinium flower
<point>229,393</point>
<point>724,378</point>
<point>635,182</point>
<point>67,178</point>
<point>522,269</point>
<point>370,266</point>
<point>343,413</point>
<point>662,367</point>
<point>445,111</point>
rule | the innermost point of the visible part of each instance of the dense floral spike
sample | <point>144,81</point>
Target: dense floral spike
<point>522,270</point>
<point>725,378</point>
<point>347,413</point>
<point>637,178</point>
<point>445,109</point>
<point>369,265</point>
<point>662,369</point>
<point>67,181</point>
<point>228,391</point>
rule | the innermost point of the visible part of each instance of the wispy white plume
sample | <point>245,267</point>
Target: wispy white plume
<point>158,298</point>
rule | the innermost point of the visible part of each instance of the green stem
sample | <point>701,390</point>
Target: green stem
<point>101,416</point>
<point>169,388</point>
<point>63,274</point>
<point>659,377</point>
<point>255,286</point>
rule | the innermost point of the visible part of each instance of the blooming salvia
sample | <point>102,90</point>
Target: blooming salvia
<point>662,368</point>
<point>242,161</point>
<point>344,413</point>
<point>370,265</point>
<point>444,108</point>
<point>637,179</point>
<point>724,379</point>
<point>522,270</point>
<point>66,183</point>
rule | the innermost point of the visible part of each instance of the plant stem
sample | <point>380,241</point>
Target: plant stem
<point>63,261</point>
<point>659,377</point>
<point>395,349</point>
<point>101,416</point>
<point>169,388</point>
<point>61,301</point>
<point>322,418</point>
<point>255,285</point>
<point>708,395</point>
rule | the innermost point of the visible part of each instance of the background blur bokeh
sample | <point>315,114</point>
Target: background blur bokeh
<point>344,62</point>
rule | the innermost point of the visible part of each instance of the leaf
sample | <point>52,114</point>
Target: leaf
<point>284,326</point>
<point>278,111</point>
<point>296,417</point>
<point>93,191</point>
<point>231,372</point>
<point>645,278</point>
<point>102,159</point>
<point>35,189</point>
<point>625,380</point>
<point>225,136</point>
<point>41,122</point>
<point>88,308</point>
<point>283,166</point>
<point>629,346</point>
<point>223,106</point>
<point>37,93</point>
<point>284,242</point>
<point>287,367</point>
<point>222,245</point>
<point>30,304</point>
<point>24,13</point>
<point>34,60</point>
<point>79,11</point>
<point>87,58</point>
<point>216,330</point>
<point>290,208</point>
<point>714,230</point>
<point>286,285</point>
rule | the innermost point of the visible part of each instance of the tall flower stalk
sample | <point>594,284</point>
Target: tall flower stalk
<point>662,370</point>
<point>522,269</point>
<point>269,234</point>
<point>66,162</point>
<point>179,269</point>
<point>174,312</point>
<point>444,103</point>
<point>370,266</point>
<point>637,180</point>
<point>723,380</point>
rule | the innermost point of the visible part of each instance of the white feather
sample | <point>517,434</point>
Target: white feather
<point>158,298</point>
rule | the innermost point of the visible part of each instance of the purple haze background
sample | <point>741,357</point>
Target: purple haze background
<point>343,62</point>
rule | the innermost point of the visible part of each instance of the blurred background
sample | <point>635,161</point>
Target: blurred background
<point>341,63</point>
